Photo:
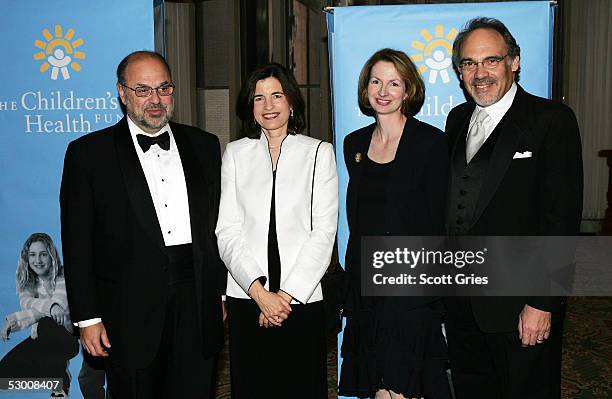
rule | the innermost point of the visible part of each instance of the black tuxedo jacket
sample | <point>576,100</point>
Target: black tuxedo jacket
<point>114,253</point>
<point>416,191</point>
<point>539,195</point>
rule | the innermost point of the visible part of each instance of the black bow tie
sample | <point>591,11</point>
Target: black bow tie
<point>145,142</point>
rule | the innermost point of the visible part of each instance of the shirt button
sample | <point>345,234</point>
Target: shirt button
<point>462,192</point>
<point>169,232</point>
<point>163,179</point>
<point>460,206</point>
<point>459,222</point>
<point>166,205</point>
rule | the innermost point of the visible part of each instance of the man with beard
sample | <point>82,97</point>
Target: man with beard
<point>139,203</point>
<point>516,170</point>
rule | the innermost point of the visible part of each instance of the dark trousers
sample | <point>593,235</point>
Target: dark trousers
<point>495,365</point>
<point>286,362</point>
<point>92,377</point>
<point>178,370</point>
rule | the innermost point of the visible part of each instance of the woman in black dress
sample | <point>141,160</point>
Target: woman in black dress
<point>393,347</point>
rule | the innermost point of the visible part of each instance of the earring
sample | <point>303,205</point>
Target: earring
<point>291,112</point>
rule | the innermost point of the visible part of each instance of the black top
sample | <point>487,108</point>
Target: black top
<point>373,196</point>
<point>274,264</point>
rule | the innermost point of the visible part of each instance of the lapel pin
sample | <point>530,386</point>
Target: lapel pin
<point>358,157</point>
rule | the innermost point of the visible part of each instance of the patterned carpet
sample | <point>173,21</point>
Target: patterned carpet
<point>587,353</point>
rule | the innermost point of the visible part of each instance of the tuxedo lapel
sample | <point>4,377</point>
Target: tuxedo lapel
<point>135,183</point>
<point>502,154</point>
<point>197,182</point>
<point>198,198</point>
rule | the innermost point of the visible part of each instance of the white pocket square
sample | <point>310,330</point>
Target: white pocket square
<point>519,155</point>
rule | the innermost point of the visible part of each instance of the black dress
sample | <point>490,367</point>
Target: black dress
<point>277,362</point>
<point>389,343</point>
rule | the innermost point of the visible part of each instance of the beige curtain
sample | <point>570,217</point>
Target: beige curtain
<point>588,91</point>
<point>180,47</point>
<point>205,65</point>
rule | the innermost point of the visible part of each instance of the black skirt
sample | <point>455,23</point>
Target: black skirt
<point>390,344</point>
<point>277,362</point>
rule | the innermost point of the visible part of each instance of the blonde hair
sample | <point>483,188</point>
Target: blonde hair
<point>26,278</point>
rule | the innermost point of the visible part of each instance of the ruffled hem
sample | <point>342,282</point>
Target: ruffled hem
<point>394,348</point>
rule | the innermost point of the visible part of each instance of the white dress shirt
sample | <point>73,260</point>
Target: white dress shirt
<point>163,171</point>
<point>166,180</point>
<point>495,111</point>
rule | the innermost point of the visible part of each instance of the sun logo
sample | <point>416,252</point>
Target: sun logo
<point>58,52</point>
<point>435,53</point>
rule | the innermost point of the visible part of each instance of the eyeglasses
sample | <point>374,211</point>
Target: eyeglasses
<point>145,91</point>
<point>487,63</point>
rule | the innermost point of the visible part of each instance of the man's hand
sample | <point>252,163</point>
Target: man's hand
<point>533,326</point>
<point>94,340</point>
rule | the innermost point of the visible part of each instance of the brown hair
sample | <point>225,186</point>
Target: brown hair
<point>244,104</point>
<point>415,88</point>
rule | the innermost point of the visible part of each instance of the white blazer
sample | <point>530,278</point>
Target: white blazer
<point>244,214</point>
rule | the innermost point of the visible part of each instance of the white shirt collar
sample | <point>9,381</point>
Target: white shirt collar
<point>498,110</point>
<point>136,130</point>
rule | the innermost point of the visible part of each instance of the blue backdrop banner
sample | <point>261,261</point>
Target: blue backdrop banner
<point>58,84</point>
<point>426,33</point>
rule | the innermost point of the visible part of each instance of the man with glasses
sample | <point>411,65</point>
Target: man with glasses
<point>516,170</point>
<point>139,203</point>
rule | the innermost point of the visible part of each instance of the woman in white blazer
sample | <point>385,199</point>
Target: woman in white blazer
<point>276,230</point>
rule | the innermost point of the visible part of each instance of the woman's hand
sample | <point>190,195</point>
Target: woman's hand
<point>273,306</point>
<point>59,314</point>
<point>285,296</point>
<point>263,321</point>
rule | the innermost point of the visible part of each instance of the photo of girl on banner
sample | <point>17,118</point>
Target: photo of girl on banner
<point>44,307</point>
